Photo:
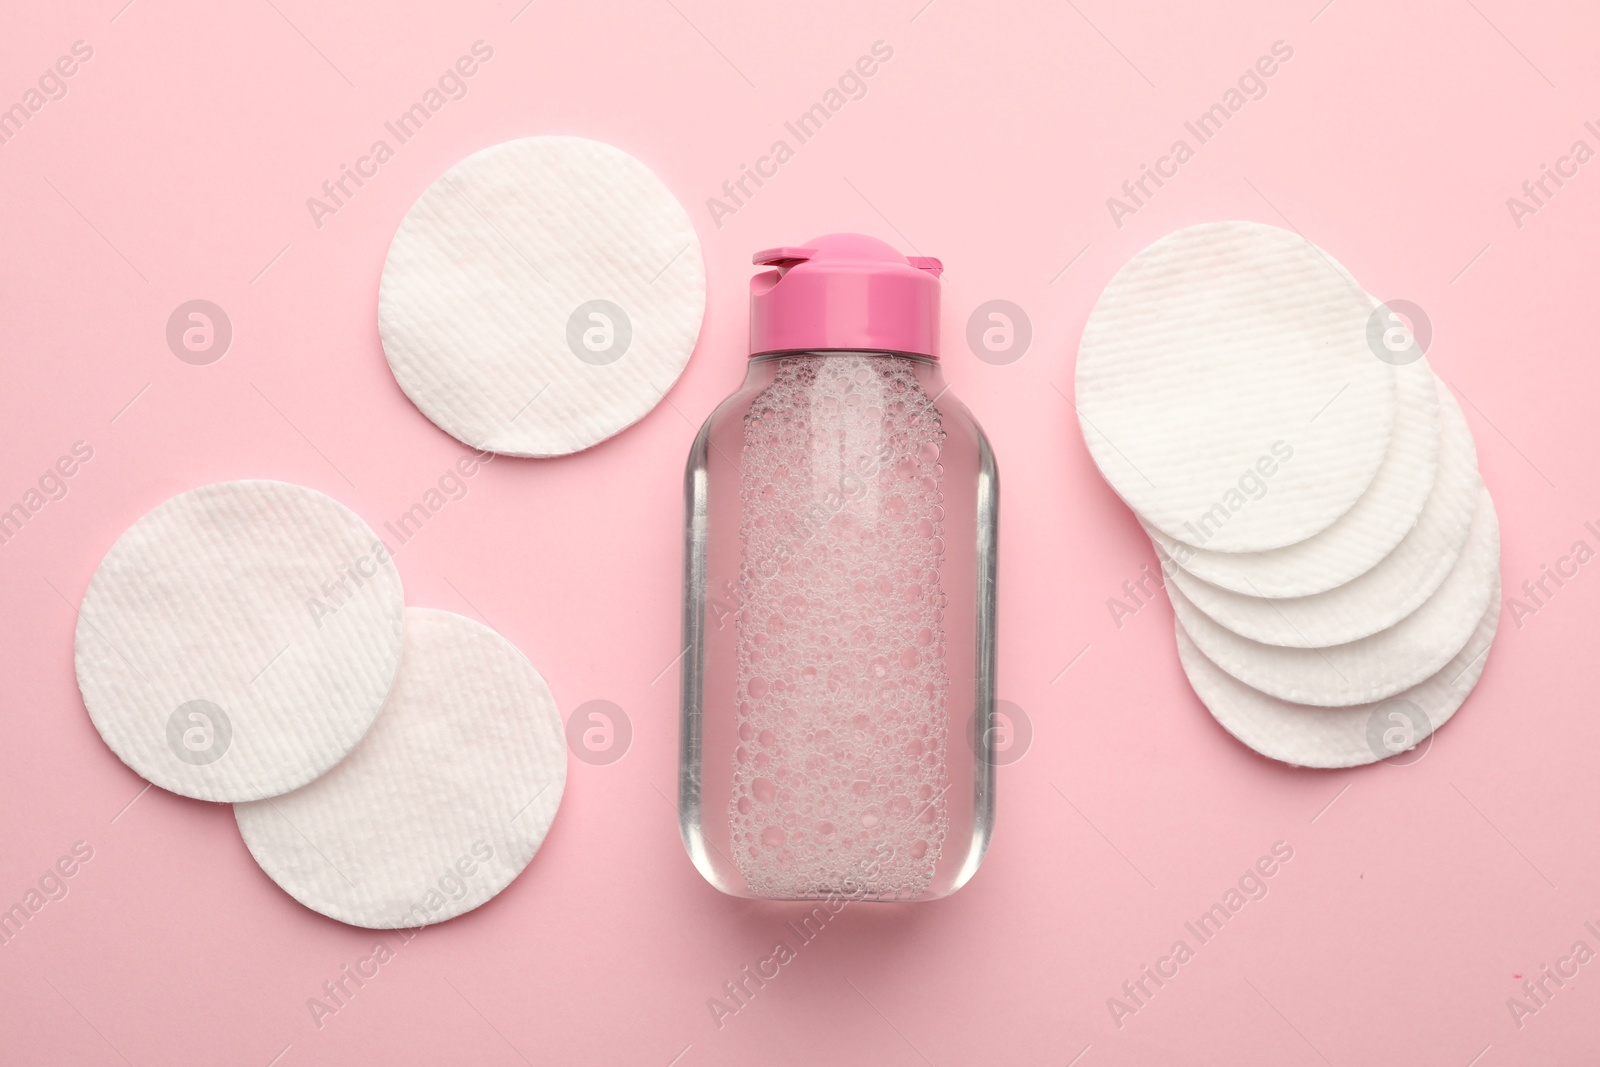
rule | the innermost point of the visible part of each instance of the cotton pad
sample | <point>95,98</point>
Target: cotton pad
<point>1374,667</point>
<point>1226,389</point>
<point>1370,530</point>
<point>541,296</point>
<point>444,802</point>
<point>239,639</point>
<point>1308,736</point>
<point>1383,595</point>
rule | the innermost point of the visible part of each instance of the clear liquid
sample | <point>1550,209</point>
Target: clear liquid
<point>839,613</point>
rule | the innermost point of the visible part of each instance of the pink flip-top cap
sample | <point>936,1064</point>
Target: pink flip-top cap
<point>845,291</point>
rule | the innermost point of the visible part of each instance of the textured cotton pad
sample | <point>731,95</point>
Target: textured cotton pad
<point>1308,736</point>
<point>1374,667</point>
<point>1226,389</point>
<point>541,296</point>
<point>1383,595</point>
<point>444,802</point>
<point>239,639</point>
<point>1365,534</point>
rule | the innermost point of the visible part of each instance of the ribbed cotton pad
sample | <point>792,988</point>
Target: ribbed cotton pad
<point>541,296</point>
<point>442,805</point>
<point>1362,536</point>
<point>1308,736</point>
<point>1374,667</point>
<point>1383,595</point>
<point>239,639</point>
<point>1226,389</point>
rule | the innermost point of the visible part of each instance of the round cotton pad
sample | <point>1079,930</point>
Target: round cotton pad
<point>541,296</point>
<point>1308,736</point>
<point>239,639</point>
<point>1383,595</point>
<point>444,802</point>
<point>1360,537</point>
<point>1226,390</point>
<point>1374,667</point>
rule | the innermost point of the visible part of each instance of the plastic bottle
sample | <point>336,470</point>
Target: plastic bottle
<point>839,596</point>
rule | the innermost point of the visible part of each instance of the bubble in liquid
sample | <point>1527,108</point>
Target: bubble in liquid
<point>840,642</point>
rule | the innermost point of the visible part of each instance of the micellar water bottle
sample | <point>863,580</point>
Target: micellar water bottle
<point>839,596</point>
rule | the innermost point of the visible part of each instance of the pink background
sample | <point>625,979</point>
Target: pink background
<point>177,167</point>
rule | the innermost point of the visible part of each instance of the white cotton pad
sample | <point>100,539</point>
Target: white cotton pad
<point>239,639</point>
<point>1374,667</point>
<point>1226,389</point>
<point>541,296</point>
<point>444,802</point>
<point>1383,595</point>
<point>1309,736</point>
<point>1366,533</point>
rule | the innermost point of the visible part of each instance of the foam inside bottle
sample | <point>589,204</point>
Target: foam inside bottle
<point>840,770</point>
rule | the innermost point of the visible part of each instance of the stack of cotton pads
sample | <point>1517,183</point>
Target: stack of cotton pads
<point>247,642</point>
<point>1313,494</point>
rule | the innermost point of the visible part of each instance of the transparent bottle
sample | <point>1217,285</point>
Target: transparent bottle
<point>839,596</point>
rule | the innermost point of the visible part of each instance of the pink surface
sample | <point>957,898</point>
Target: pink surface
<point>1418,898</point>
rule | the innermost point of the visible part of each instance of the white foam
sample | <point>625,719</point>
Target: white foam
<point>839,776</point>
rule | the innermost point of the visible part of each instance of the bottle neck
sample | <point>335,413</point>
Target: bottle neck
<point>764,367</point>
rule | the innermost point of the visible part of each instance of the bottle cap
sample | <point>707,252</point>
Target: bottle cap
<point>845,291</point>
